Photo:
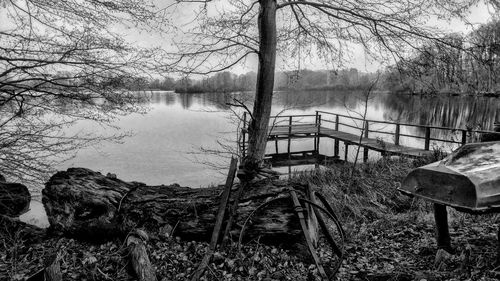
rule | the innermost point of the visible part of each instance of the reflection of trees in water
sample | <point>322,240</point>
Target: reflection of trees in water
<point>161,97</point>
<point>458,112</point>
<point>186,100</point>
<point>305,100</point>
<point>311,100</point>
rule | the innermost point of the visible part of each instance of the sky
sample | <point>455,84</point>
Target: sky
<point>479,14</point>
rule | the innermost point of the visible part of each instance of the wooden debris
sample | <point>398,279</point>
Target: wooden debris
<point>51,270</point>
<point>136,243</point>
<point>218,222</point>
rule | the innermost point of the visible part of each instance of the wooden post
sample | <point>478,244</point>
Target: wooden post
<point>243,131</point>
<point>289,135</point>
<point>396,134</point>
<point>218,221</point>
<point>365,150</point>
<point>318,124</point>
<point>234,208</point>
<point>276,145</point>
<point>315,136</point>
<point>427,138</point>
<point>336,146</point>
<point>464,137</point>
<point>442,233</point>
<point>346,150</point>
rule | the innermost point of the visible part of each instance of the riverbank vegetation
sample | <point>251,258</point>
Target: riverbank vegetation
<point>389,237</point>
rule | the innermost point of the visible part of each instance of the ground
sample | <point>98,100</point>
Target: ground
<point>400,247</point>
<point>389,236</point>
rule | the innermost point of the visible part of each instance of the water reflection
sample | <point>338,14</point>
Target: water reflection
<point>477,113</point>
<point>456,112</point>
<point>177,124</point>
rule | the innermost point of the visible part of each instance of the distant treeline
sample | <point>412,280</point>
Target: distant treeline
<point>290,80</point>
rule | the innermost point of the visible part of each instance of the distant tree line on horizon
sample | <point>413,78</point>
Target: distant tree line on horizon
<point>224,82</point>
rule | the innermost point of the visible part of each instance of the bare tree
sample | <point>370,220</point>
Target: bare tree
<point>228,32</point>
<point>60,63</point>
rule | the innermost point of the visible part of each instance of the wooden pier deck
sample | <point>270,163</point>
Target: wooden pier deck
<point>311,130</point>
<point>354,131</point>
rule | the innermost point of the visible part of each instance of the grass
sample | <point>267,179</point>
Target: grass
<point>364,192</point>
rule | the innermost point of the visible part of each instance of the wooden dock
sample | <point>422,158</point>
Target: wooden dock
<point>353,131</point>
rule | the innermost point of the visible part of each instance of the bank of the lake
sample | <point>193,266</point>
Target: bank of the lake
<point>389,236</point>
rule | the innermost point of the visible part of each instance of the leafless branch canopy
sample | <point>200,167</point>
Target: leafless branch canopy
<point>226,34</point>
<point>61,63</point>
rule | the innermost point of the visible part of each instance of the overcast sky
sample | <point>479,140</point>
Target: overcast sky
<point>478,15</point>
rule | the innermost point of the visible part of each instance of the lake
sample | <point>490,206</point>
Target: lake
<point>167,141</point>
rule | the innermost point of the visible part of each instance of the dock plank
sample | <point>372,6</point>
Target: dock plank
<point>310,130</point>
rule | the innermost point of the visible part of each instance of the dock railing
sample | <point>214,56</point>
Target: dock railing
<point>338,122</point>
<point>288,127</point>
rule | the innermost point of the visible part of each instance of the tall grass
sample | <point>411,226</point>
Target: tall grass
<point>366,191</point>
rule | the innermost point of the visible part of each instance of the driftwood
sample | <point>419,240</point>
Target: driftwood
<point>136,243</point>
<point>86,204</point>
<point>14,199</point>
<point>51,270</point>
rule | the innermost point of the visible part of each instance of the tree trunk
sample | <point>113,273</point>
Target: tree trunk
<point>85,204</point>
<point>265,81</point>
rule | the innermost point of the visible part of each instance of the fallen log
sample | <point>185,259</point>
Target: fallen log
<point>86,204</point>
<point>27,233</point>
<point>14,199</point>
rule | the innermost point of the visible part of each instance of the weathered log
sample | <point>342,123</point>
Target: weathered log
<point>27,233</point>
<point>14,199</point>
<point>136,243</point>
<point>86,204</point>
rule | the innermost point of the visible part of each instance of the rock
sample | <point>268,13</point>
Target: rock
<point>14,199</point>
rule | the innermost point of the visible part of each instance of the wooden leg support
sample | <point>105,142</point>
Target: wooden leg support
<point>498,247</point>
<point>442,232</point>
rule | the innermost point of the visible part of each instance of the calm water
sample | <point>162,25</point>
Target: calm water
<point>166,144</point>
